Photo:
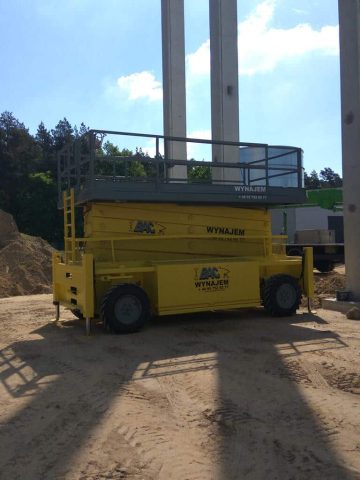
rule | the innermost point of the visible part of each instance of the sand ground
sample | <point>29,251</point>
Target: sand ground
<point>220,396</point>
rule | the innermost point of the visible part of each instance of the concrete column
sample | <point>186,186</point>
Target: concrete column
<point>349,20</point>
<point>173,54</point>
<point>224,83</point>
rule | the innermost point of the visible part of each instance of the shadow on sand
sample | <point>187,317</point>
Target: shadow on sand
<point>66,383</point>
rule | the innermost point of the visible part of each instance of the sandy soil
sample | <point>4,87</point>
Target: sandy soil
<point>340,269</point>
<point>25,266</point>
<point>215,396</point>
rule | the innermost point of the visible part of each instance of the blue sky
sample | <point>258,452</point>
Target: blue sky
<point>100,63</point>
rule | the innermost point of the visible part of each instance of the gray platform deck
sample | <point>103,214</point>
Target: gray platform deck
<point>187,193</point>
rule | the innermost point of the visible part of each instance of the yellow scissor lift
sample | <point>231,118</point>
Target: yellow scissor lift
<point>156,245</point>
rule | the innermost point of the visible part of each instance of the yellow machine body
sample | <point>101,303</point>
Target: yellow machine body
<point>186,258</point>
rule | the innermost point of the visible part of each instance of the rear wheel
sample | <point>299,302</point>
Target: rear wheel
<point>281,295</point>
<point>125,308</point>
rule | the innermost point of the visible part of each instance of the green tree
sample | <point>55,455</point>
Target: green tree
<point>115,165</point>
<point>35,208</point>
<point>62,134</point>
<point>43,138</point>
<point>19,157</point>
<point>45,141</point>
<point>312,181</point>
<point>199,174</point>
<point>329,178</point>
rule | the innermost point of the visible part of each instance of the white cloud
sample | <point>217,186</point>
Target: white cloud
<point>262,48</point>
<point>141,85</point>
<point>201,134</point>
<point>198,63</point>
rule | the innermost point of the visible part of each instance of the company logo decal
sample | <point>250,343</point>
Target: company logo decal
<point>144,226</point>
<point>249,189</point>
<point>210,279</point>
<point>251,192</point>
<point>226,231</point>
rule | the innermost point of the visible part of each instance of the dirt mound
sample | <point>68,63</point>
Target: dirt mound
<point>326,285</point>
<point>25,266</point>
<point>8,228</point>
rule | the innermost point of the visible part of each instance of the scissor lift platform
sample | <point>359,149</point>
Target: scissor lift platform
<point>258,174</point>
<point>158,241</point>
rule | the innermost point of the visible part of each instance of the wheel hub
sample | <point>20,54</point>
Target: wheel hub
<point>128,309</point>
<point>286,296</point>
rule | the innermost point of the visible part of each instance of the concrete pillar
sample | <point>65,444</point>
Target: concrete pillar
<point>349,20</point>
<point>224,83</point>
<point>173,54</point>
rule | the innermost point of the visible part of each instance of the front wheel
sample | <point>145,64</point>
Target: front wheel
<point>281,295</point>
<point>125,308</point>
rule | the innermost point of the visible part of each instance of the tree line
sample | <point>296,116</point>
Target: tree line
<point>326,179</point>
<point>28,173</point>
<point>28,169</point>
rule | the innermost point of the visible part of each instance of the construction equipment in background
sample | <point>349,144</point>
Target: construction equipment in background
<point>321,230</point>
<point>328,198</point>
<point>155,245</point>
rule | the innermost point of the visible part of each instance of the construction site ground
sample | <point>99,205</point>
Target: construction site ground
<point>227,395</point>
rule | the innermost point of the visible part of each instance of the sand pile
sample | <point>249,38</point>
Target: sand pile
<point>25,261</point>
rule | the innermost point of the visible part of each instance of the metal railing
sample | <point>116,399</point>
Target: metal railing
<point>84,163</point>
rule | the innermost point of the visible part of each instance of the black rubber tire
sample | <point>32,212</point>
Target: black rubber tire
<point>133,297</point>
<point>324,266</point>
<point>77,314</point>
<point>281,295</point>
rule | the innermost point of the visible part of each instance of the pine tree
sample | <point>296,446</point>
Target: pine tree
<point>62,134</point>
<point>45,141</point>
